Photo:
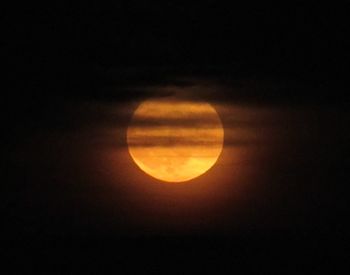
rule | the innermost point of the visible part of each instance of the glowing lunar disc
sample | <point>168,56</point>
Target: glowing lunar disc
<point>174,140</point>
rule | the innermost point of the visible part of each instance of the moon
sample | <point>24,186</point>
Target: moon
<point>175,140</point>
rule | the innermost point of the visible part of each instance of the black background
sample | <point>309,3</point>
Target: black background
<point>63,53</point>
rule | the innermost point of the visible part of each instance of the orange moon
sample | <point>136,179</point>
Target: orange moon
<point>174,140</point>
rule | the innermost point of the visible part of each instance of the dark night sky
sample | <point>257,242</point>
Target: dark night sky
<point>62,61</point>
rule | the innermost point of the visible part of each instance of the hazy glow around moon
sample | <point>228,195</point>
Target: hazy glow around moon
<point>174,140</point>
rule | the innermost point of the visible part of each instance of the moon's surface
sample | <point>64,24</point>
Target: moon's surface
<point>173,140</point>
